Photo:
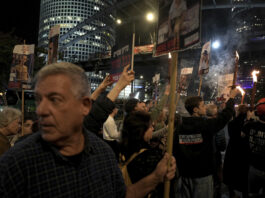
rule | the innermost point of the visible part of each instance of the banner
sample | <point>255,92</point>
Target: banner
<point>22,66</point>
<point>184,81</point>
<point>120,58</point>
<point>205,58</point>
<point>145,49</point>
<point>178,25</point>
<point>224,85</point>
<point>53,44</point>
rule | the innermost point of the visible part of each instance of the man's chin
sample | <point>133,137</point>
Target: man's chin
<point>48,135</point>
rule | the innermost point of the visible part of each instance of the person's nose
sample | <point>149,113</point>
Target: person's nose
<point>42,108</point>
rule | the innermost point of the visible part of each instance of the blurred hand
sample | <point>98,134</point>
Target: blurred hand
<point>126,77</point>
<point>251,115</point>
<point>167,90</point>
<point>162,172</point>
<point>234,92</point>
<point>106,82</point>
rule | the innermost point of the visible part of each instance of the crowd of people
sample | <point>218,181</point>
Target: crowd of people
<point>75,147</point>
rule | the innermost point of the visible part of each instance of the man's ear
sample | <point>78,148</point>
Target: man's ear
<point>87,103</point>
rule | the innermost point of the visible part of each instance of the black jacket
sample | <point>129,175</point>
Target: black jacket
<point>193,142</point>
<point>101,108</point>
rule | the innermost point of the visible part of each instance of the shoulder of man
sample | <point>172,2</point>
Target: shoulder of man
<point>24,147</point>
<point>98,145</point>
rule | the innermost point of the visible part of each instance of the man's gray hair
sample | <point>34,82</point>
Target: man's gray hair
<point>74,72</point>
<point>8,115</point>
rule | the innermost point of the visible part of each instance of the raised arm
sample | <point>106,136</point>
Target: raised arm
<point>125,79</point>
<point>102,87</point>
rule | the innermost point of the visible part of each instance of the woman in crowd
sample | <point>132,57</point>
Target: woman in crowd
<point>10,124</point>
<point>136,134</point>
<point>235,171</point>
<point>30,126</point>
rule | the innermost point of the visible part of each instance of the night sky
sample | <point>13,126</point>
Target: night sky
<point>22,17</point>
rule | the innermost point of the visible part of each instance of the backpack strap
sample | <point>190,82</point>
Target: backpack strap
<point>134,156</point>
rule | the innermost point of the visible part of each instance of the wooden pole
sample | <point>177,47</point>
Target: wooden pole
<point>22,112</point>
<point>132,57</point>
<point>200,85</point>
<point>253,95</point>
<point>172,107</point>
<point>242,99</point>
<point>22,101</point>
<point>235,71</point>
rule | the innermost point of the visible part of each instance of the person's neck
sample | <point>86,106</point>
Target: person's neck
<point>195,115</point>
<point>72,146</point>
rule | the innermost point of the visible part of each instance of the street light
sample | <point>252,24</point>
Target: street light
<point>118,21</point>
<point>150,16</point>
<point>216,44</point>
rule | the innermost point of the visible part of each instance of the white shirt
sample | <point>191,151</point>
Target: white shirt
<point>110,131</point>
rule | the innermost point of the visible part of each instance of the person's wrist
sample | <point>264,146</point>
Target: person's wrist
<point>157,178</point>
<point>120,85</point>
<point>102,87</point>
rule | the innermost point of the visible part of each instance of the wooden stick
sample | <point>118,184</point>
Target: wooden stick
<point>172,107</point>
<point>133,43</point>
<point>253,95</point>
<point>200,85</point>
<point>242,99</point>
<point>22,112</point>
<point>235,71</point>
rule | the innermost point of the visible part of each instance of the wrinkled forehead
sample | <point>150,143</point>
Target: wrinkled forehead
<point>53,83</point>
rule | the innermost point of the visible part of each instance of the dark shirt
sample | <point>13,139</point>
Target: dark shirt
<point>143,165</point>
<point>193,143</point>
<point>4,144</point>
<point>35,168</point>
<point>98,114</point>
<point>255,133</point>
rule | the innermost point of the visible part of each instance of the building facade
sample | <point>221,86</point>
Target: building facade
<point>69,13</point>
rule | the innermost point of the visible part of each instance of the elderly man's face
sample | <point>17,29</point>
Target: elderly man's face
<point>61,113</point>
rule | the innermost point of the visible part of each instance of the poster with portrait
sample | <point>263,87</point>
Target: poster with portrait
<point>185,76</point>
<point>224,85</point>
<point>205,59</point>
<point>53,44</point>
<point>21,71</point>
<point>178,25</point>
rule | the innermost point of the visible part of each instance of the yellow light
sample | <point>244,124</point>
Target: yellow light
<point>254,75</point>
<point>241,90</point>
<point>119,21</point>
<point>150,16</point>
<point>237,55</point>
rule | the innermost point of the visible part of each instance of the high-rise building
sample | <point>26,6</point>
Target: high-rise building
<point>69,13</point>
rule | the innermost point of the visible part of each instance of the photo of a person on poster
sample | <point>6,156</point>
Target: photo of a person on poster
<point>204,61</point>
<point>21,69</point>
<point>175,18</point>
